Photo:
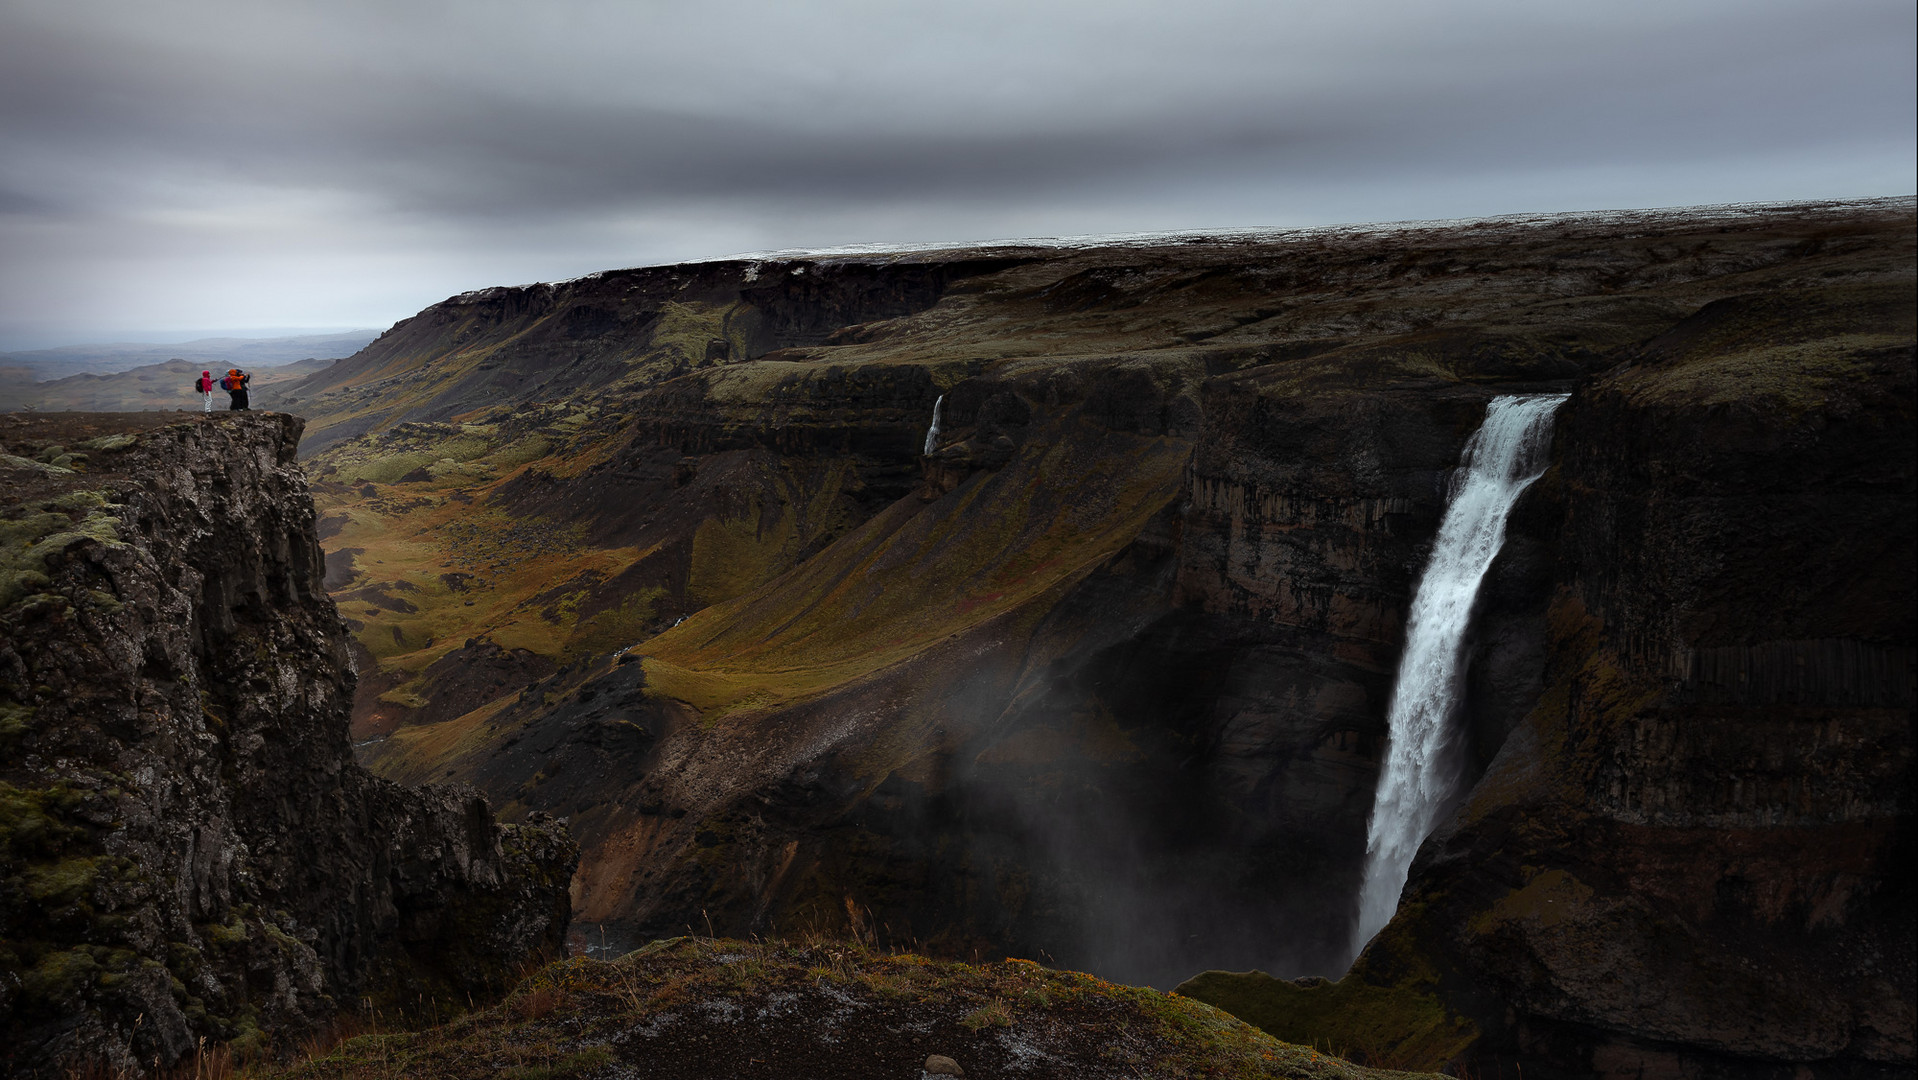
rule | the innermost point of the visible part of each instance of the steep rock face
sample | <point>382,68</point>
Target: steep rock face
<point>1109,687</point>
<point>189,850</point>
<point>1727,809</point>
<point>1308,517</point>
<point>1693,856</point>
<point>686,468</point>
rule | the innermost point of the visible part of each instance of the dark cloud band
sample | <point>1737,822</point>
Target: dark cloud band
<point>462,127</point>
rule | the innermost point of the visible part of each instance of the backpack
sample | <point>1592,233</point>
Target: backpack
<point>233,382</point>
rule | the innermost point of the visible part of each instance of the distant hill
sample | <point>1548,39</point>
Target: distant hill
<point>67,360</point>
<point>167,385</point>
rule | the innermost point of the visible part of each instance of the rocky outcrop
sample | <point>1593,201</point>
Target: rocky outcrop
<point>187,849</point>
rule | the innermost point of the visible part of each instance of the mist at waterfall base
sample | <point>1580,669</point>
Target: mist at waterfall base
<point>1108,889</point>
<point>1146,871</point>
<point>1143,868</point>
<point>1425,750</point>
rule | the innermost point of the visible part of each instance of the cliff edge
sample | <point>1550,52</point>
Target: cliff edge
<point>188,850</point>
<point>1692,853</point>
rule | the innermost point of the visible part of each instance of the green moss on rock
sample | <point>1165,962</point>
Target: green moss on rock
<point>26,541</point>
<point>30,818</point>
<point>63,883</point>
<point>55,983</point>
<point>110,442</point>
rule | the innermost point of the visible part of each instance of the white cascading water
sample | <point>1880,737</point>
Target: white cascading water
<point>1424,756</point>
<point>932,433</point>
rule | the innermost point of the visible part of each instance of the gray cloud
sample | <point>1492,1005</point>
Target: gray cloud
<point>209,163</point>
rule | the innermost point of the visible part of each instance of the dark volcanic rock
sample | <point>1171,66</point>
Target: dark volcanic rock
<point>187,848</point>
<point>1103,679</point>
<point>1714,795</point>
<point>1693,855</point>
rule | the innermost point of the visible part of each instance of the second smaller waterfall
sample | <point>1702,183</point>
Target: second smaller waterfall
<point>932,433</point>
<point>1423,759</point>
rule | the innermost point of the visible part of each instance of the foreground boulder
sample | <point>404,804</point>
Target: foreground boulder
<point>188,851</point>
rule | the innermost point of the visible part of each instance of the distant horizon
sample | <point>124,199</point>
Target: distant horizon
<point>12,348</point>
<point>136,339</point>
<point>1242,231</point>
<point>162,169</point>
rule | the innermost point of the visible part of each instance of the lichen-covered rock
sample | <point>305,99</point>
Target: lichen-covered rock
<point>187,848</point>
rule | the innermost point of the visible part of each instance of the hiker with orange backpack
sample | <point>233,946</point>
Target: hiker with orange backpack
<point>235,386</point>
<point>205,384</point>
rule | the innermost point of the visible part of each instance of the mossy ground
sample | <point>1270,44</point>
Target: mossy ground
<point>1790,352</point>
<point>1388,1026</point>
<point>430,554</point>
<point>27,536</point>
<point>691,1008</point>
<point>914,577</point>
<point>432,567</point>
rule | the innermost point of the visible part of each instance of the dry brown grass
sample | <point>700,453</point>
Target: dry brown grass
<point>688,1008</point>
<point>538,1003</point>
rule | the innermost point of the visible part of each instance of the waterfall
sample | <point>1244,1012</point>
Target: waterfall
<point>1424,756</point>
<point>932,433</point>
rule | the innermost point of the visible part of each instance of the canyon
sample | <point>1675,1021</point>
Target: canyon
<point>1102,679</point>
<point>1098,675</point>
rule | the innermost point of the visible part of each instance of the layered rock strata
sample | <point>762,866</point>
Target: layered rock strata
<point>188,851</point>
<point>1108,686</point>
<point>590,479</point>
<point>1693,853</point>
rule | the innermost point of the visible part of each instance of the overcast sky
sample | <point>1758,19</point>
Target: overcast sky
<point>206,166</point>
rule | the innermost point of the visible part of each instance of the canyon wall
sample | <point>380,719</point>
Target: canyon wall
<point>1102,679</point>
<point>1692,855</point>
<point>188,850</point>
